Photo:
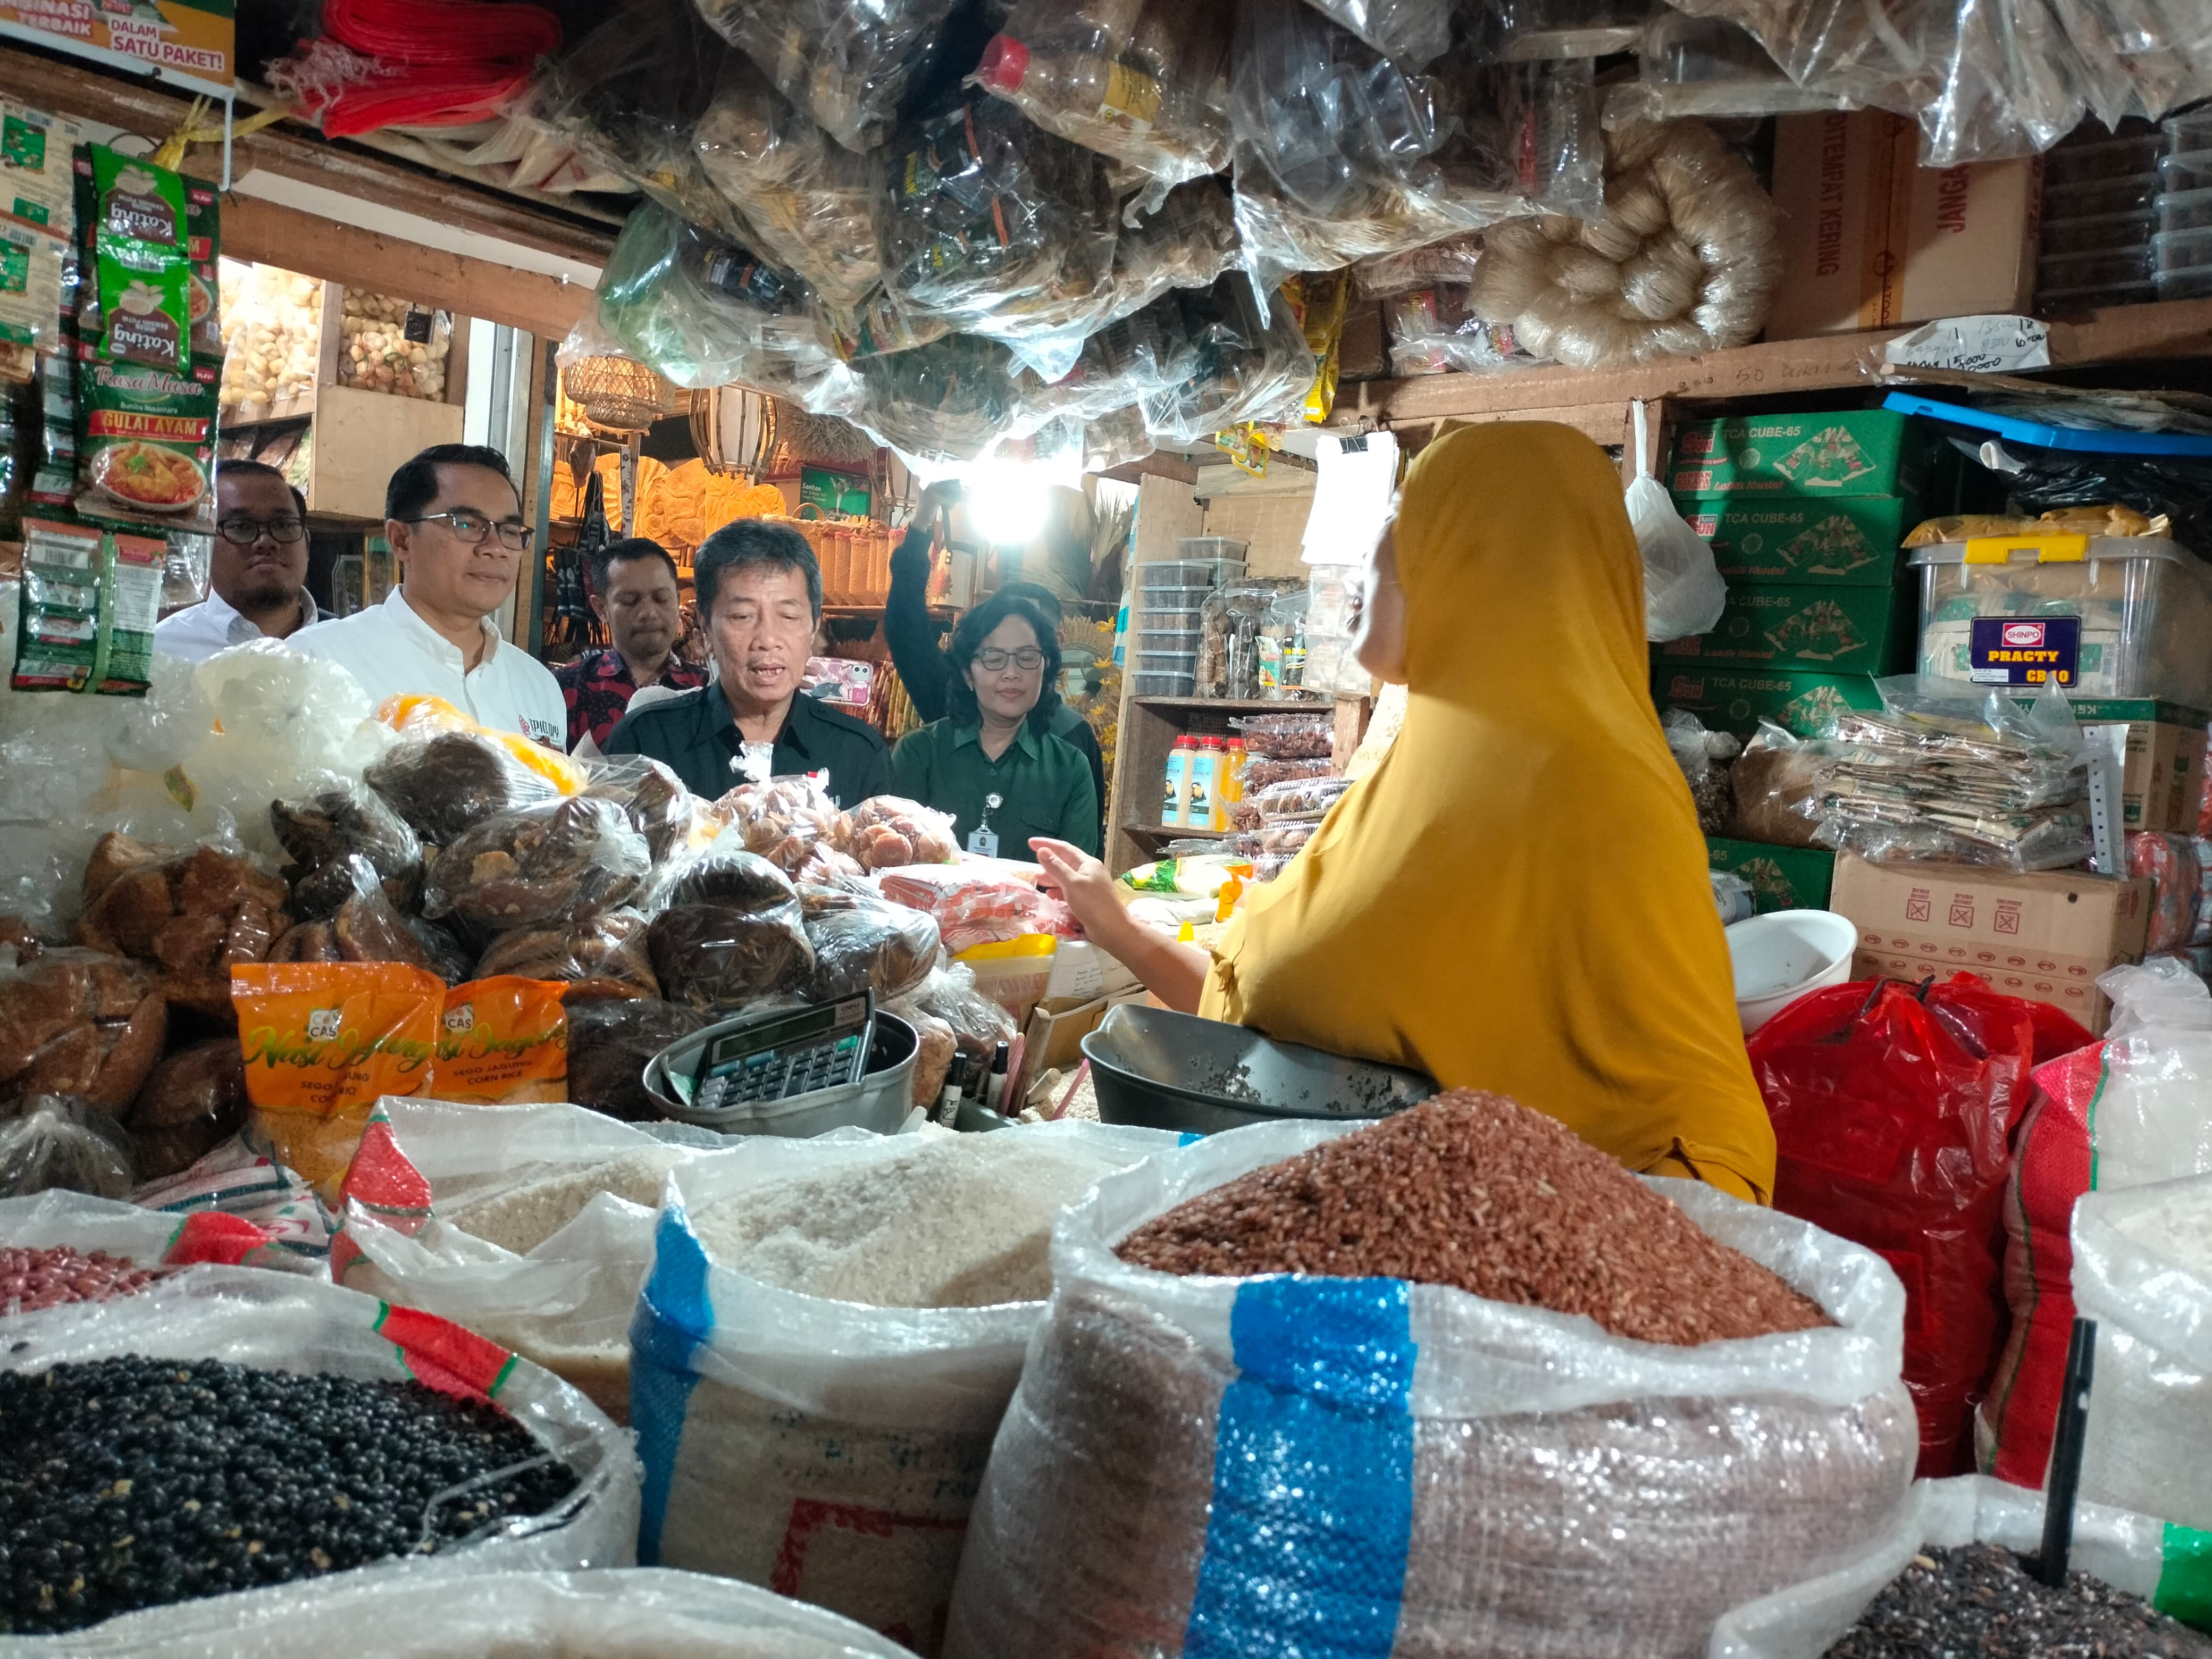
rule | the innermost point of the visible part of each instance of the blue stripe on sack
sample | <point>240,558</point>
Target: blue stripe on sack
<point>674,1316</point>
<point>1189,1136</point>
<point>1313,1475</point>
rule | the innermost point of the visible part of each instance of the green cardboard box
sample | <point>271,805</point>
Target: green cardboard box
<point>1733,699</point>
<point>1781,878</point>
<point>1850,541</point>
<point>1832,630</point>
<point>1846,451</point>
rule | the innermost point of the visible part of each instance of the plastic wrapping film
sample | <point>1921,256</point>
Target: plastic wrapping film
<point>2136,1554</point>
<point>1684,257</point>
<point>599,956</point>
<point>1220,1466</point>
<point>1410,33</point>
<point>1245,365</point>
<point>952,400</point>
<point>1139,80</point>
<point>769,1419</point>
<point>629,95</point>
<point>78,1023</point>
<point>245,1316</point>
<point>566,1300</point>
<point>1340,153</point>
<point>983,215</point>
<point>1892,1117</point>
<point>806,200</point>
<point>704,310</point>
<point>784,819</point>
<point>870,946</point>
<point>847,63</point>
<point>562,862</point>
<point>1708,68</point>
<point>889,830</point>
<point>323,832</point>
<point>629,1612</point>
<point>2142,1270</point>
<point>727,928</point>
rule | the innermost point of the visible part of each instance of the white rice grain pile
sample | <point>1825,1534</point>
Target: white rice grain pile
<point>522,1218</point>
<point>962,1221</point>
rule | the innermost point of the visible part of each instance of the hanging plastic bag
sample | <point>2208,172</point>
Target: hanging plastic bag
<point>951,401</point>
<point>1409,32</point>
<point>1250,364</point>
<point>829,1447</point>
<point>1683,593</point>
<point>847,63</point>
<point>1893,1120</point>
<point>1216,1465</point>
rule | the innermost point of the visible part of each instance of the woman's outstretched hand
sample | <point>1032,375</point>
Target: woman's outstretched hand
<point>1083,882</point>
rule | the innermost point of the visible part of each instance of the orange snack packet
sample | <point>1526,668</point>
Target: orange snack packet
<point>324,1041</point>
<point>504,1042</point>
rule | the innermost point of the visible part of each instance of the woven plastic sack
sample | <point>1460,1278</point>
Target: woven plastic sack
<point>1364,1467</point>
<point>565,1302</point>
<point>1683,593</point>
<point>2107,1117</point>
<point>826,1448</point>
<point>612,1612</point>
<point>280,1320</point>
<point>2142,1270</point>
<point>2169,1567</point>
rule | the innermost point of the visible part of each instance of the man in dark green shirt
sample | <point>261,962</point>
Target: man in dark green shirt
<point>760,599</point>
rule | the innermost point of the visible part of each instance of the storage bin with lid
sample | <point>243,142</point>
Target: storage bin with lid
<point>2108,233</point>
<point>1202,574</point>
<point>2100,199</point>
<point>2135,614</point>
<point>2191,170</point>
<point>2185,209</point>
<point>1153,642</point>
<point>2106,158</point>
<point>1144,684</point>
<point>2181,263</point>
<point>2187,132</point>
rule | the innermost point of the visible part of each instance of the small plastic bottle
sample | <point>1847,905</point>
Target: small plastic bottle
<point>1213,768</point>
<point>1178,780</point>
<point>1231,784</point>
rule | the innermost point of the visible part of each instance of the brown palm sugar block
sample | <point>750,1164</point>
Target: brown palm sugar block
<point>1472,1191</point>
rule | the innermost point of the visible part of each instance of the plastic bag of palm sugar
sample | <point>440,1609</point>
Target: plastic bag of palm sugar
<point>1451,1384</point>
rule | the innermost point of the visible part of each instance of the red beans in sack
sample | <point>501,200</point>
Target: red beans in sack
<point>1893,1120</point>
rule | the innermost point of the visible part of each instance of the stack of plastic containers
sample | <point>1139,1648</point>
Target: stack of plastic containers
<point>1170,594</point>
<point>2127,219</point>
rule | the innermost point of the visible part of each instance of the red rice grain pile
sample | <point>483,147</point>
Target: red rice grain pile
<point>1470,1190</point>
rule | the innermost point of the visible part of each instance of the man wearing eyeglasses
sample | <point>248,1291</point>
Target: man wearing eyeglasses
<point>257,579</point>
<point>454,519</point>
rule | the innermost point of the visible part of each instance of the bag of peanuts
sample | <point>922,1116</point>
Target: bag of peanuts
<point>61,1247</point>
<point>1200,1463</point>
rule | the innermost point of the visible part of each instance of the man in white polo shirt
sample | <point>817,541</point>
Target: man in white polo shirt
<point>454,519</point>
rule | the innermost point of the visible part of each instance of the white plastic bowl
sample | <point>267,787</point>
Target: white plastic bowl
<point>1783,955</point>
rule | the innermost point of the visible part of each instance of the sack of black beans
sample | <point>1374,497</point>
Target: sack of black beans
<point>2142,1270</point>
<point>618,1613</point>
<point>1217,1465</point>
<point>226,1428</point>
<point>2163,1566</point>
<point>530,1224</point>
<point>828,1335</point>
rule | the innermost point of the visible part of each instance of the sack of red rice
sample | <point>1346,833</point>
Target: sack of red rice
<point>1451,1384</point>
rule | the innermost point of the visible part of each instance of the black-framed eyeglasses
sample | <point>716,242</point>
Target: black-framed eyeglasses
<point>474,527</point>
<point>242,531</point>
<point>994,661</point>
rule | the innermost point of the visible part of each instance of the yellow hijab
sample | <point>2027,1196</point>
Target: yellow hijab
<point>1515,899</point>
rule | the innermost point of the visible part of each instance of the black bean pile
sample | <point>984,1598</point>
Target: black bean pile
<point>1982,1602</point>
<point>132,1483</point>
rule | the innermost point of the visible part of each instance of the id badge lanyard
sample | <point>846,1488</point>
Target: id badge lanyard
<point>983,840</point>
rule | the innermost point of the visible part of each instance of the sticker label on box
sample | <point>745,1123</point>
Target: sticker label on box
<point>2023,651</point>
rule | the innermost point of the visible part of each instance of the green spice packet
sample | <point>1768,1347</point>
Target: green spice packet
<point>145,307</point>
<point>138,202</point>
<point>87,610</point>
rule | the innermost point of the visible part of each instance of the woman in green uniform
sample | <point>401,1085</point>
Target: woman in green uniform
<point>993,762</point>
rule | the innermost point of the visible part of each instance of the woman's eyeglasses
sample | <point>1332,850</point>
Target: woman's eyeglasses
<point>996,662</point>
<point>244,532</point>
<point>474,527</point>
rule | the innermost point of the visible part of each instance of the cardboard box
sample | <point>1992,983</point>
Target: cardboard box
<point>1835,630</point>
<point>1871,238</point>
<point>1855,541</point>
<point>2046,937</point>
<point>2163,780</point>
<point>1781,878</point>
<point>1846,451</point>
<point>1737,699</point>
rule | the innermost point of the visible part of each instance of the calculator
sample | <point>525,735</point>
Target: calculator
<point>756,1059</point>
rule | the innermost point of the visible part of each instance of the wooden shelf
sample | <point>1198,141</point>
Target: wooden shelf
<point>1174,831</point>
<point>299,407</point>
<point>1240,705</point>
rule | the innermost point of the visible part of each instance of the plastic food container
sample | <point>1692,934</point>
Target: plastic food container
<point>2187,172</point>
<point>1178,662</point>
<point>2100,198</point>
<point>2086,271</point>
<point>1202,574</point>
<point>2108,158</point>
<point>1154,642</point>
<point>2140,610</point>
<point>2185,209</point>
<point>1785,955</point>
<point>2108,233</point>
<point>1145,685</point>
<point>2184,133</point>
<point>2060,302</point>
<point>2181,263</point>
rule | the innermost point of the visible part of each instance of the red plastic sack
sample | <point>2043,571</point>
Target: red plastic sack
<point>2053,1165</point>
<point>1893,1114</point>
<point>2169,863</point>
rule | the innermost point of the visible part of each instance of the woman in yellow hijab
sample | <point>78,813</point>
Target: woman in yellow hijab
<point>1515,898</point>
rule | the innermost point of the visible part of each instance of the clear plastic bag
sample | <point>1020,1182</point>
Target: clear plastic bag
<point>773,1420</point>
<point>983,216</point>
<point>610,1041</point>
<point>324,831</point>
<point>50,1141</point>
<point>445,784</point>
<point>948,401</point>
<point>1407,32</point>
<point>1770,784</point>
<point>1708,68</point>
<point>1683,593</point>
<point>672,820</point>
<point>1452,1500</point>
<point>1287,737</point>
<point>889,830</point>
<point>1436,329</point>
<point>600,956</point>
<point>1135,79</point>
<point>785,819</point>
<point>245,1316</point>
<point>703,310</point>
<point>190,1103</point>
<point>847,63</point>
<point>79,1023</point>
<point>730,930</point>
<point>191,917</point>
<point>949,993</point>
<point>1248,365</point>
<point>561,863</point>
<point>1700,753</point>
<point>806,200</point>
<point>886,948</point>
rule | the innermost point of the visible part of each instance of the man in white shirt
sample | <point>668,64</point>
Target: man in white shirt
<point>454,519</point>
<point>257,575</point>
